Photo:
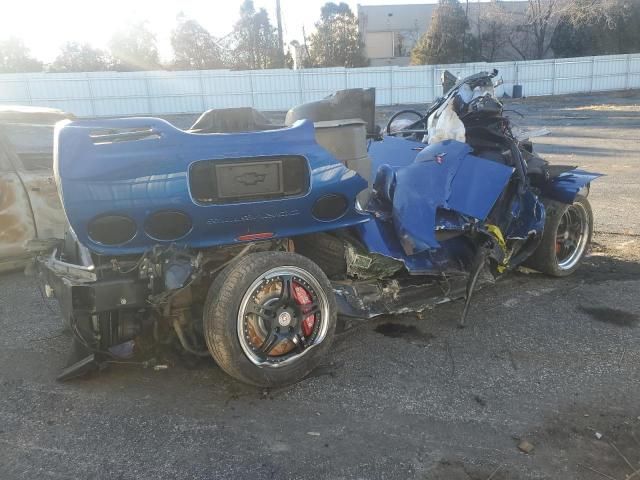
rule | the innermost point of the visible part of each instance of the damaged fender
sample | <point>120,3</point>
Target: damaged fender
<point>566,186</point>
<point>444,176</point>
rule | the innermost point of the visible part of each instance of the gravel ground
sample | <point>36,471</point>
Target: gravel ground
<point>550,361</point>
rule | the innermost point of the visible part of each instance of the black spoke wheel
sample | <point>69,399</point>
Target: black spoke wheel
<point>269,318</point>
<point>566,238</point>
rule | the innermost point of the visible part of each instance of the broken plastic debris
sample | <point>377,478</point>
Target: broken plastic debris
<point>160,367</point>
<point>314,434</point>
<point>598,435</point>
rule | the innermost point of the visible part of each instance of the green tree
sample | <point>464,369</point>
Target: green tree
<point>80,57</point>
<point>193,46</point>
<point>254,40</point>
<point>134,48</point>
<point>336,41</point>
<point>15,57</point>
<point>447,40</point>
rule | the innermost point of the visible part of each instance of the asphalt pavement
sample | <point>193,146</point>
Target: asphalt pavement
<point>550,362</point>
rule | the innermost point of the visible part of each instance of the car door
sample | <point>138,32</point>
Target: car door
<point>17,226</point>
<point>31,154</point>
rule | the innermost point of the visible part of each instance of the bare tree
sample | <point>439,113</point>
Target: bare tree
<point>531,37</point>
<point>495,25</point>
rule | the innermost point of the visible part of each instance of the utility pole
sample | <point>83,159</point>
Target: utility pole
<point>280,39</point>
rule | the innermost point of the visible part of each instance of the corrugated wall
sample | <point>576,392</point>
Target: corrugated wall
<point>153,93</point>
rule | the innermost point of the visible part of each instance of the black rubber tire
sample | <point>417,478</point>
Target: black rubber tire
<point>544,258</point>
<point>220,320</point>
<point>326,250</point>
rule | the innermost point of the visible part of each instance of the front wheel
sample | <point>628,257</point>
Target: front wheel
<point>566,238</point>
<point>269,318</point>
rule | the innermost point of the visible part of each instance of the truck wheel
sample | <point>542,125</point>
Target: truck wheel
<point>566,238</point>
<point>269,318</point>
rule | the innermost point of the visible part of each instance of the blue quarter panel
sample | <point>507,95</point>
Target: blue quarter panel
<point>139,177</point>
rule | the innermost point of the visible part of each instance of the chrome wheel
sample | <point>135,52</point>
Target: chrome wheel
<point>572,236</point>
<point>282,316</point>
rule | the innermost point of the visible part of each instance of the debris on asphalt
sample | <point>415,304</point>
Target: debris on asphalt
<point>525,447</point>
<point>314,434</point>
<point>598,435</point>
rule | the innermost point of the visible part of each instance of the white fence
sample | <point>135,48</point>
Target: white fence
<point>157,93</point>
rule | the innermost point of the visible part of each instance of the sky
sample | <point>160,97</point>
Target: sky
<point>45,25</point>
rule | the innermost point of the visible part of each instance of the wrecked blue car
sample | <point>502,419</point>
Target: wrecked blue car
<point>244,240</point>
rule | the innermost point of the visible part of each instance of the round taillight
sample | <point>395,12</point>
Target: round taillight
<point>112,229</point>
<point>167,225</point>
<point>329,207</point>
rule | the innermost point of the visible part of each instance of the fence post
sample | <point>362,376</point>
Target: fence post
<point>553,78</point>
<point>593,72</point>
<point>253,101</point>
<point>346,79</point>
<point>92,99</point>
<point>627,77</point>
<point>391,85</point>
<point>147,91</point>
<point>300,90</point>
<point>435,82</point>
<point>28,85</point>
<point>203,102</point>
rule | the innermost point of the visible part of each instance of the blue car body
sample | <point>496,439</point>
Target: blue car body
<point>417,190</point>
<point>138,176</point>
<point>247,238</point>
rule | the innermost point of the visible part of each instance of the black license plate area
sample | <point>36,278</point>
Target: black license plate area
<point>241,180</point>
<point>248,179</point>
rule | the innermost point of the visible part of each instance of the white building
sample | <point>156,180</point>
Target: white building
<point>389,32</point>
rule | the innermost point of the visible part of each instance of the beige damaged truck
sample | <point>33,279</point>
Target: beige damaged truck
<point>30,210</point>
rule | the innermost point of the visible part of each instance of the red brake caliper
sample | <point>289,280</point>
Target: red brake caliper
<point>303,298</point>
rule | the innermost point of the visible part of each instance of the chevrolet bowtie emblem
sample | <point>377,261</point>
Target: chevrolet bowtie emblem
<point>251,178</point>
<point>439,158</point>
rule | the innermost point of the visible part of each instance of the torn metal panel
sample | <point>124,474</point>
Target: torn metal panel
<point>45,203</point>
<point>364,265</point>
<point>16,222</point>
<point>444,175</point>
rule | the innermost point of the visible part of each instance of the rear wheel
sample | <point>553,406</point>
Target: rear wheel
<point>566,238</point>
<point>269,318</point>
